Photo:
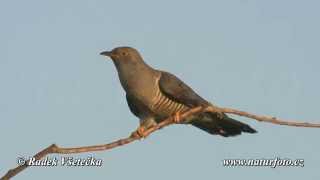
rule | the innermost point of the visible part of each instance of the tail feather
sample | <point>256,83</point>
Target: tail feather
<point>225,127</point>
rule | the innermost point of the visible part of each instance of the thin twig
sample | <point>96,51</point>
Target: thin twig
<point>268,119</point>
<point>60,150</point>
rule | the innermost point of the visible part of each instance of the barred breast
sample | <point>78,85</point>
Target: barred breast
<point>163,106</point>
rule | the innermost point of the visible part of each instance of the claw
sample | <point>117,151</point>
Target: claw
<point>140,133</point>
<point>177,118</point>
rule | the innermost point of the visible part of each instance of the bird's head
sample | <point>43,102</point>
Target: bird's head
<point>122,54</point>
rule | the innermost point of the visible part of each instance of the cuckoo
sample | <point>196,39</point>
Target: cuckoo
<point>152,95</point>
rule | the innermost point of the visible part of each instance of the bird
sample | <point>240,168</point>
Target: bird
<point>153,95</point>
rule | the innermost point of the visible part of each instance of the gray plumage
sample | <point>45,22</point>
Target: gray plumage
<point>153,95</point>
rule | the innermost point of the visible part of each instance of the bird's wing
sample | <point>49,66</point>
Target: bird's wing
<point>178,91</point>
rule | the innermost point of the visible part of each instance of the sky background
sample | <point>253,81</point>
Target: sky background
<point>257,56</point>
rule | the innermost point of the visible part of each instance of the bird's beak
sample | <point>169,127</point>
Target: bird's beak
<point>106,53</point>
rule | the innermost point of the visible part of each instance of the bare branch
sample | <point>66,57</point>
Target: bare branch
<point>268,119</point>
<point>60,150</point>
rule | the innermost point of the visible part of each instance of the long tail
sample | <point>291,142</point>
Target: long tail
<point>225,127</point>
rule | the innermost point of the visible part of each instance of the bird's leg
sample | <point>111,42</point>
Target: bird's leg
<point>177,117</point>
<point>144,125</point>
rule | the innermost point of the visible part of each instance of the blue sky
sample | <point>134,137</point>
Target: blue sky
<point>258,56</point>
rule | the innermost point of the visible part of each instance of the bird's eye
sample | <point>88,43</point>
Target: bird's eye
<point>124,53</point>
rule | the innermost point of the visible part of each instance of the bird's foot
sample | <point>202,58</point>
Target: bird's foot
<point>139,133</point>
<point>177,118</point>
